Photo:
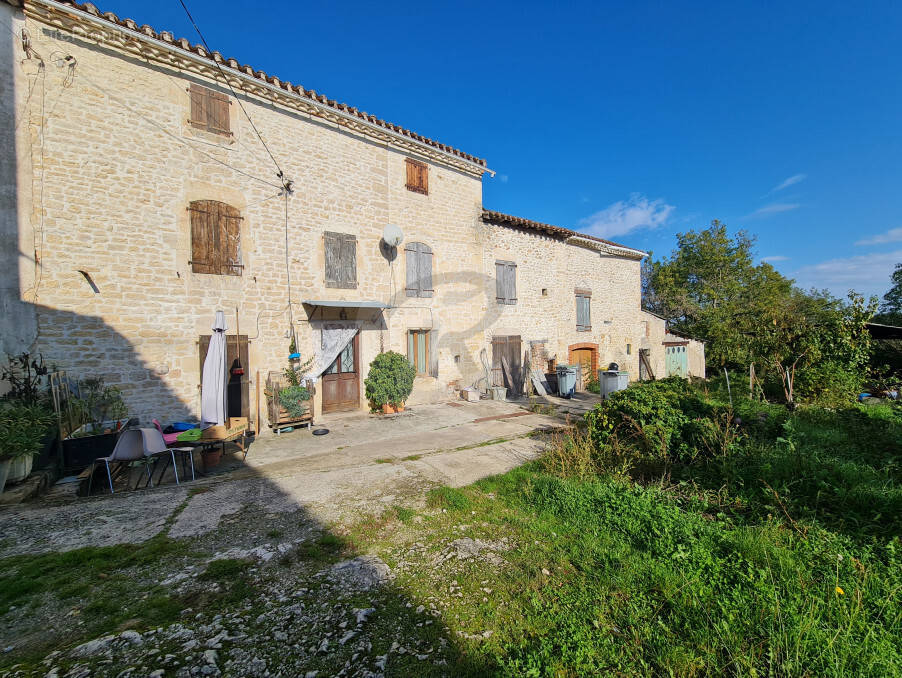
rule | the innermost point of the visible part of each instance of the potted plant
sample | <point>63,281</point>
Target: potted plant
<point>102,413</point>
<point>23,428</point>
<point>294,400</point>
<point>389,382</point>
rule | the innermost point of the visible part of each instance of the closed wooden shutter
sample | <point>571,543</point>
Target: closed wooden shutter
<point>418,258</point>
<point>417,176</point>
<point>341,259</point>
<point>506,282</point>
<point>209,110</point>
<point>349,260</point>
<point>218,113</point>
<point>583,311</point>
<point>412,287</point>
<point>215,238</point>
<point>198,97</point>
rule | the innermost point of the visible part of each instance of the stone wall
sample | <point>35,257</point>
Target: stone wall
<point>102,186</point>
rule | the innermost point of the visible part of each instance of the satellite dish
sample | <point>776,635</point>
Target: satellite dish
<point>392,235</point>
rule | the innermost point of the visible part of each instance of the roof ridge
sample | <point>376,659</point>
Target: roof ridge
<point>214,56</point>
<point>501,217</point>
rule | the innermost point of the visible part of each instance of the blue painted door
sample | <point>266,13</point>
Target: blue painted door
<point>676,361</point>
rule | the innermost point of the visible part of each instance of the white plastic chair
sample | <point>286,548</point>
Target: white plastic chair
<point>154,445</point>
<point>129,447</point>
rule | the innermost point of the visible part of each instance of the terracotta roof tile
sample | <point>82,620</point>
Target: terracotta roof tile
<point>166,36</point>
<point>510,220</point>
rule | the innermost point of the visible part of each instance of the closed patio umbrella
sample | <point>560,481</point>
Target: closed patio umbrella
<point>213,382</point>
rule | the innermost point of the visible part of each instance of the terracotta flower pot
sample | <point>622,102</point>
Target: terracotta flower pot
<point>388,408</point>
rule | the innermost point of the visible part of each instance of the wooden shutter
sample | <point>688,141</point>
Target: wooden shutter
<point>332,251</point>
<point>198,96</point>
<point>218,113</point>
<point>583,310</point>
<point>215,238</point>
<point>209,110</point>
<point>229,239</point>
<point>424,269</point>
<point>417,176</point>
<point>341,259</point>
<point>349,260</point>
<point>506,282</point>
<point>413,279</point>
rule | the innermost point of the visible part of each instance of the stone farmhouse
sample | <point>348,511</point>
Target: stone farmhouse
<point>138,198</point>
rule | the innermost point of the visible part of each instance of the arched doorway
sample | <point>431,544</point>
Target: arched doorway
<point>586,356</point>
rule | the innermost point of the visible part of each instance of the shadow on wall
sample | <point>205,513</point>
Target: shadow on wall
<point>85,346</point>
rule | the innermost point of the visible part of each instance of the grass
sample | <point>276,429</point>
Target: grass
<point>781,558</point>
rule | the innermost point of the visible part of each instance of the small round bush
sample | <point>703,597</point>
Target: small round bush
<point>390,380</point>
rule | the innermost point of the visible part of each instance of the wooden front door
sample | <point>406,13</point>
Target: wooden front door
<point>507,364</point>
<point>583,358</point>
<point>341,382</point>
<point>237,373</point>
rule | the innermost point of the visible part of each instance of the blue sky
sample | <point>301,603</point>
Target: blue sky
<point>632,121</point>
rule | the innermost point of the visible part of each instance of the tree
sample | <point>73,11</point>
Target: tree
<point>808,343</point>
<point>891,306</point>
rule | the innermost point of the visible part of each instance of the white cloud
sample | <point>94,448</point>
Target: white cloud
<point>892,235</point>
<point>776,257</point>
<point>791,181</point>
<point>865,273</point>
<point>625,216</point>
<point>774,208</point>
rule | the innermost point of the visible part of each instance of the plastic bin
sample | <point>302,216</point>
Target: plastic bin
<point>566,380</point>
<point>612,381</point>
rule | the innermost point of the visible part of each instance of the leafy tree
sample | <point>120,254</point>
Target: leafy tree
<point>891,306</point>
<point>807,342</point>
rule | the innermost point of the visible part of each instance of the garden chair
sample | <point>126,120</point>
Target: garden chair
<point>154,445</point>
<point>129,448</point>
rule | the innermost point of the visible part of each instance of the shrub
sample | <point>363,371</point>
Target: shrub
<point>23,428</point>
<point>390,380</point>
<point>294,400</point>
<point>666,420</point>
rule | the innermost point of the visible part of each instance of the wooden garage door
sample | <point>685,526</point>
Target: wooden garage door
<point>507,348</point>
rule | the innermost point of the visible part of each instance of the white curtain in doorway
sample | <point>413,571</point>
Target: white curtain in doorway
<point>334,337</point>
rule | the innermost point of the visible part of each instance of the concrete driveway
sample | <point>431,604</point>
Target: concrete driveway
<point>364,465</point>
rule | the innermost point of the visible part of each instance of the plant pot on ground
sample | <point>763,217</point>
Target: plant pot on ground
<point>23,428</point>
<point>389,382</point>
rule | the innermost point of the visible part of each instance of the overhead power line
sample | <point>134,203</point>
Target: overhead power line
<point>229,85</point>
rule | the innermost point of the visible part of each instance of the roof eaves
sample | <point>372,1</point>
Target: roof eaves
<point>89,11</point>
<point>566,233</point>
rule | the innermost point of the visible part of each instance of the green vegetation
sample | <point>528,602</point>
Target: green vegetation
<point>806,346</point>
<point>23,428</point>
<point>674,536</point>
<point>294,399</point>
<point>390,380</point>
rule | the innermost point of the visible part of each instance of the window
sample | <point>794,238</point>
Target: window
<point>583,310</point>
<point>215,238</point>
<point>506,282</point>
<point>209,110</point>
<point>418,350</point>
<point>341,260</point>
<point>419,269</point>
<point>417,176</point>
<point>629,349</point>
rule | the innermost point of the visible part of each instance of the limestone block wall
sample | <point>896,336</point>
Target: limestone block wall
<point>118,164</point>
<point>549,271</point>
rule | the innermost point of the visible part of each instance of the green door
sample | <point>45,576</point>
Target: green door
<point>676,361</point>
